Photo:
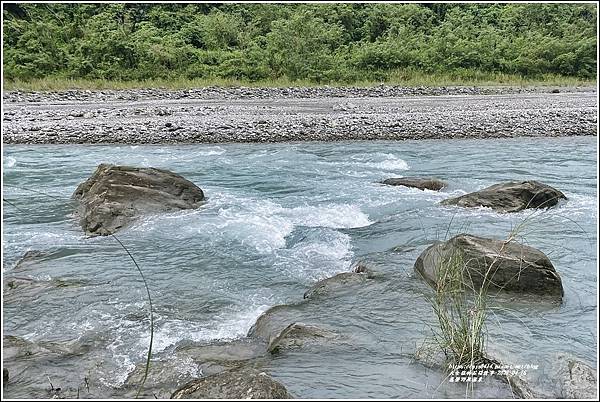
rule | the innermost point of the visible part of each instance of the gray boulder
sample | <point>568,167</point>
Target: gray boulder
<point>510,197</point>
<point>509,266</point>
<point>114,196</point>
<point>238,383</point>
<point>416,182</point>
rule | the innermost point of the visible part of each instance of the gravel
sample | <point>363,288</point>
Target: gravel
<point>212,115</point>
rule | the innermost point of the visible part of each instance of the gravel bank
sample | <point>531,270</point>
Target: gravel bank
<point>214,115</point>
<point>267,93</point>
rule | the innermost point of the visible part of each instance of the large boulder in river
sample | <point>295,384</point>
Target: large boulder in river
<point>238,383</point>
<point>115,195</point>
<point>416,182</point>
<point>475,261</point>
<point>510,197</point>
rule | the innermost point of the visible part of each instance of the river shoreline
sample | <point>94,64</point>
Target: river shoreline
<point>240,114</point>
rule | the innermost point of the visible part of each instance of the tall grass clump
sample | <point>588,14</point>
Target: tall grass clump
<point>461,316</point>
<point>461,302</point>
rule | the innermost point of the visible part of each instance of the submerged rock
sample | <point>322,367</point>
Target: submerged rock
<point>416,182</point>
<point>164,375</point>
<point>191,360</point>
<point>510,197</point>
<point>230,351</point>
<point>238,383</point>
<point>279,326</point>
<point>15,347</point>
<point>278,329</point>
<point>270,323</point>
<point>33,258</point>
<point>116,195</point>
<point>298,335</point>
<point>509,266</point>
<point>19,288</point>
<point>28,259</point>
<point>359,274</point>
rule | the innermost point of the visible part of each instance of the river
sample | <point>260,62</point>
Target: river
<point>278,218</point>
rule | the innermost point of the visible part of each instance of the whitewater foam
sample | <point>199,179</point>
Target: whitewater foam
<point>222,327</point>
<point>10,161</point>
<point>211,151</point>
<point>259,224</point>
<point>316,258</point>
<point>330,216</point>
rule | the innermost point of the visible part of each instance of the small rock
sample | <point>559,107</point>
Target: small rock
<point>416,182</point>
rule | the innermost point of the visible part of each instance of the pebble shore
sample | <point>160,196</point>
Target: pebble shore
<point>216,115</point>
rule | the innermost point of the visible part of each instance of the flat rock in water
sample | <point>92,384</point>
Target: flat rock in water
<point>510,197</point>
<point>238,383</point>
<point>298,335</point>
<point>19,288</point>
<point>229,351</point>
<point>114,196</point>
<point>509,266</point>
<point>270,323</point>
<point>416,182</point>
<point>15,347</point>
<point>359,274</point>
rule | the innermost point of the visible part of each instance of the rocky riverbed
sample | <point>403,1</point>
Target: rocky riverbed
<point>215,115</point>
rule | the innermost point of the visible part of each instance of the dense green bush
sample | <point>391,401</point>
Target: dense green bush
<point>317,43</point>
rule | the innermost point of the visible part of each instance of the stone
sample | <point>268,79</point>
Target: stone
<point>237,383</point>
<point>416,182</point>
<point>509,266</point>
<point>359,274</point>
<point>299,335</point>
<point>511,196</point>
<point>114,196</point>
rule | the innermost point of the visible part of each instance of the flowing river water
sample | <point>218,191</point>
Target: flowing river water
<point>278,218</point>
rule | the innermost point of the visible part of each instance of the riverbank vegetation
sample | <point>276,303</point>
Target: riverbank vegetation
<point>57,46</point>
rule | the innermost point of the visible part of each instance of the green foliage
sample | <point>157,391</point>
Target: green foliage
<point>326,43</point>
